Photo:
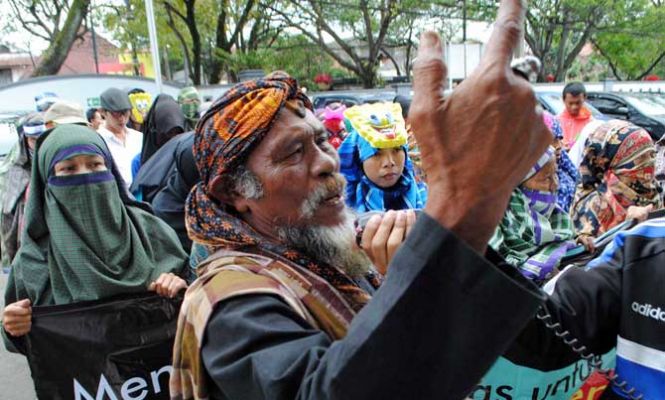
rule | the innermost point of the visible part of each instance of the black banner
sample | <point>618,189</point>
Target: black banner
<point>115,349</point>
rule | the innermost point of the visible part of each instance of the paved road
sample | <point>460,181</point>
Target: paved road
<point>15,381</point>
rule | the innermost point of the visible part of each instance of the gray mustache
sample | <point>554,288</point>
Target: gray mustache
<point>336,184</point>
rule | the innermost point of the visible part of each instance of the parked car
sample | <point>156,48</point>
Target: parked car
<point>8,134</point>
<point>321,100</point>
<point>639,108</point>
<point>553,103</point>
<point>351,98</point>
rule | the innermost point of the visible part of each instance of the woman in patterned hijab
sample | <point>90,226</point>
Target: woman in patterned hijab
<point>617,173</point>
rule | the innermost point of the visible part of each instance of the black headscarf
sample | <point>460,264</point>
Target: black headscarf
<point>164,115</point>
<point>166,180</point>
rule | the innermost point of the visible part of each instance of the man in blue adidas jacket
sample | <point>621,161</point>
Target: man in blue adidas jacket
<point>619,300</point>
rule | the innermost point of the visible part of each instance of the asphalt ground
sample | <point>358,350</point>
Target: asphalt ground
<point>15,380</point>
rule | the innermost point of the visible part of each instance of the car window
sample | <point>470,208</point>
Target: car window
<point>321,102</point>
<point>606,104</point>
<point>646,106</point>
<point>553,103</point>
<point>658,98</point>
<point>8,137</point>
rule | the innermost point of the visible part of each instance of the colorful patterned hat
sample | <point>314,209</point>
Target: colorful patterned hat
<point>380,124</point>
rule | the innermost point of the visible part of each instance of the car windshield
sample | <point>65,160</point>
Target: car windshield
<point>8,135</point>
<point>646,105</point>
<point>658,98</point>
<point>8,138</point>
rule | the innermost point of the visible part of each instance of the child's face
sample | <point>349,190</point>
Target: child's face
<point>545,180</point>
<point>385,167</point>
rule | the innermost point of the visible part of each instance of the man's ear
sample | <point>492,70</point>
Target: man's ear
<point>224,192</point>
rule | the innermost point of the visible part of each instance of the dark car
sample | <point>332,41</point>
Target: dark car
<point>553,103</point>
<point>350,99</point>
<point>321,100</point>
<point>639,108</point>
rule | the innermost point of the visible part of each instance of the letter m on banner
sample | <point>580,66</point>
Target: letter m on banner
<point>104,391</point>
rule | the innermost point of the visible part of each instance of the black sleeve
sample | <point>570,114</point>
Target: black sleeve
<point>441,318</point>
<point>587,303</point>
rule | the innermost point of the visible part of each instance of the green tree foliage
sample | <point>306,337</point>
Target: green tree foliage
<point>55,21</point>
<point>629,34</point>
<point>635,46</point>
<point>324,23</point>
<point>294,54</point>
<point>306,37</point>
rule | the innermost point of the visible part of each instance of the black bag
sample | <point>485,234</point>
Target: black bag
<point>118,348</point>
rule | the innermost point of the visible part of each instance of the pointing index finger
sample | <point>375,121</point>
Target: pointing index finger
<point>507,32</point>
<point>429,71</point>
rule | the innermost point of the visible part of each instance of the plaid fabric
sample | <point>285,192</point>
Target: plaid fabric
<point>229,274</point>
<point>228,132</point>
<point>84,239</point>
<point>361,193</point>
<point>617,172</point>
<point>531,239</point>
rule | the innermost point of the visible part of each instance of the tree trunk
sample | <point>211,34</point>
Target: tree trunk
<point>392,59</point>
<point>368,77</point>
<point>56,54</point>
<point>196,41</point>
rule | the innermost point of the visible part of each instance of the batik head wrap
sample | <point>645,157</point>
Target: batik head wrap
<point>535,232</point>
<point>617,172</point>
<point>566,170</point>
<point>84,238</point>
<point>372,127</point>
<point>233,126</point>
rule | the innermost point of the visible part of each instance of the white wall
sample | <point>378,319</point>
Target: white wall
<point>20,96</point>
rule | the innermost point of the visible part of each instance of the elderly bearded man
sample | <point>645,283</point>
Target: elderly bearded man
<point>287,308</point>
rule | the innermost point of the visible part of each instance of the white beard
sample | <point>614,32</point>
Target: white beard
<point>332,245</point>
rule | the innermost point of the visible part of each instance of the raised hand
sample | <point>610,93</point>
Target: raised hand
<point>384,234</point>
<point>480,142</point>
<point>168,285</point>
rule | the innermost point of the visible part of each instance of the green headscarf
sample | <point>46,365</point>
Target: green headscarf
<point>189,101</point>
<point>83,238</point>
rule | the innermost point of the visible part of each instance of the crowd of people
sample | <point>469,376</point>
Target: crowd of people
<point>386,250</point>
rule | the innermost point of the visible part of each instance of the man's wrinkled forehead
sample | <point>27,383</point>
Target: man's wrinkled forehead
<point>306,120</point>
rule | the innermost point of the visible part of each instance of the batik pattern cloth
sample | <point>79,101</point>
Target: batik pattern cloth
<point>617,172</point>
<point>226,275</point>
